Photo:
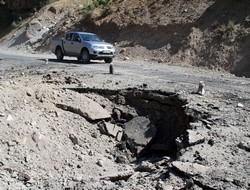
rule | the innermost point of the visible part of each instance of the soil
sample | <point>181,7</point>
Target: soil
<point>67,126</point>
<point>70,127</point>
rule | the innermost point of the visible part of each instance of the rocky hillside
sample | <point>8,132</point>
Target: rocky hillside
<point>212,33</point>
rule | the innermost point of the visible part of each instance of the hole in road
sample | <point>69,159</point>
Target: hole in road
<point>144,122</point>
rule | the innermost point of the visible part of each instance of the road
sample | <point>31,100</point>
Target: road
<point>131,73</point>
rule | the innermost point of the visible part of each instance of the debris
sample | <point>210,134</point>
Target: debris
<point>23,177</point>
<point>123,50</point>
<point>139,132</point>
<point>111,130</point>
<point>29,92</point>
<point>9,118</point>
<point>145,166</point>
<point>117,176</point>
<point>244,145</point>
<point>194,137</point>
<point>100,163</point>
<point>36,137</point>
<point>73,139</point>
<point>190,169</point>
<point>121,159</point>
<point>201,88</point>
<point>195,125</point>
<point>211,142</point>
<point>111,69</point>
<point>126,58</point>
<point>88,108</point>
<point>240,105</point>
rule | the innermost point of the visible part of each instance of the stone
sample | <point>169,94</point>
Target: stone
<point>117,176</point>
<point>139,132</point>
<point>126,58</point>
<point>100,163</point>
<point>195,125</point>
<point>194,137</point>
<point>240,105</point>
<point>78,177</point>
<point>121,159</point>
<point>211,142</point>
<point>190,169</point>
<point>244,145</point>
<point>36,137</point>
<point>123,50</point>
<point>73,139</point>
<point>111,69</point>
<point>111,130</point>
<point>116,114</point>
<point>29,92</point>
<point>168,187</point>
<point>23,176</point>
<point>119,136</point>
<point>145,167</point>
<point>9,118</point>
<point>53,9</point>
<point>201,88</point>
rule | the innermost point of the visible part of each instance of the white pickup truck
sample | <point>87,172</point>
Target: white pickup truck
<point>84,46</point>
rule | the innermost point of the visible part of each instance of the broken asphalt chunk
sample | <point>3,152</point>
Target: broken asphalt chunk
<point>111,130</point>
<point>84,107</point>
<point>190,169</point>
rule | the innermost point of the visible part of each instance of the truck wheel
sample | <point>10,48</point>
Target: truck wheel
<point>59,54</point>
<point>108,60</point>
<point>85,56</point>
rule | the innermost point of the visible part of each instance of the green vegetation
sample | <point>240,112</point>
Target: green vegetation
<point>92,4</point>
<point>16,22</point>
<point>224,31</point>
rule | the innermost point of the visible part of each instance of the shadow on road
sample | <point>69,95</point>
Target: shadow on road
<point>70,61</point>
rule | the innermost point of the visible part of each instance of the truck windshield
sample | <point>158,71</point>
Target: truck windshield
<point>90,37</point>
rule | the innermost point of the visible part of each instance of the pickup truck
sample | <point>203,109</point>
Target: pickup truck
<point>85,46</point>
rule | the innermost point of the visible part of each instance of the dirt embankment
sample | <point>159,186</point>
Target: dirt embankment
<point>213,34</point>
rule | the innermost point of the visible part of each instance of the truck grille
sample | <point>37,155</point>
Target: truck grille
<point>105,53</point>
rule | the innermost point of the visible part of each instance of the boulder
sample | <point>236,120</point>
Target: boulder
<point>139,132</point>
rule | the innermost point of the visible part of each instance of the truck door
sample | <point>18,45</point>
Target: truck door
<point>68,43</point>
<point>77,45</point>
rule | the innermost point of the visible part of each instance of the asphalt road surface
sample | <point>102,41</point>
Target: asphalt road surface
<point>156,76</point>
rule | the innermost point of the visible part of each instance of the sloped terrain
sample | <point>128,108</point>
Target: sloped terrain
<point>210,34</point>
